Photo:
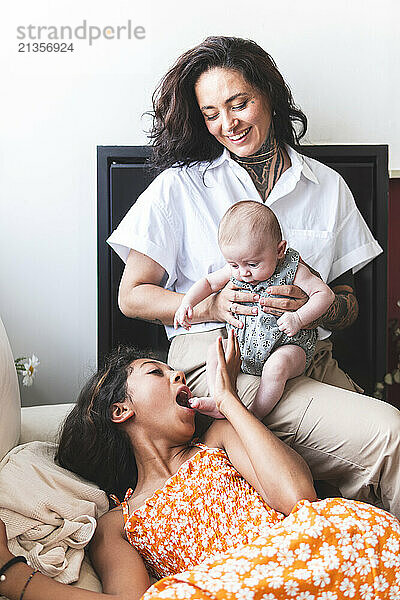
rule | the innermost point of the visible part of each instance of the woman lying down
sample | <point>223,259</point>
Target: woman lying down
<point>231,515</point>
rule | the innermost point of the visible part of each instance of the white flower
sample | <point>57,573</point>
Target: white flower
<point>301,573</point>
<point>30,370</point>
<point>321,579</point>
<point>348,588</point>
<point>291,588</point>
<point>357,541</point>
<point>286,559</point>
<point>303,552</point>
<point>363,566</point>
<point>394,592</point>
<point>367,592</point>
<point>276,581</point>
<point>349,569</point>
<point>392,544</point>
<point>380,583</point>
<point>371,539</point>
<point>268,551</point>
<point>390,559</point>
<point>245,594</point>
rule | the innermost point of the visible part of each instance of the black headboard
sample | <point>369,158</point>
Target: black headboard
<point>361,349</point>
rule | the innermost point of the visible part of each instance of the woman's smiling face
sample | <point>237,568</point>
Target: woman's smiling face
<point>235,113</point>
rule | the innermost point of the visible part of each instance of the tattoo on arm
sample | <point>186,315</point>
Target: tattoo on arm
<point>342,312</point>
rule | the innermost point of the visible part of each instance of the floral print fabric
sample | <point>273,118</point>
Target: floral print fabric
<point>211,536</point>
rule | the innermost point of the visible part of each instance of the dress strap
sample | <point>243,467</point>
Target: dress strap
<point>128,494</point>
<point>124,503</point>
<point>199,445</point>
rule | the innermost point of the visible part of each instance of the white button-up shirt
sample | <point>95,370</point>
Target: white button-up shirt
<point>175,220</point>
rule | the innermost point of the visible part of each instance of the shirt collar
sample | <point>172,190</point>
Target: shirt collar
<point>297,160</point>
<point>215,163</point>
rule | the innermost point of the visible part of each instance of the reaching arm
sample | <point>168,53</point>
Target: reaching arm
<point>141,296</point>
<point>140,293</point>
<point>120,568</point>
<point>199,291</point>
<point>276,471</point>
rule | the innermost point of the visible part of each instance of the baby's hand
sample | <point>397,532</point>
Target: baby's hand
<point>206,405</point>
<point>289,323</point>
<point>183,316</point>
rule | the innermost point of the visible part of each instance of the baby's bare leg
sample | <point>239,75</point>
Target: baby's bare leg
<point>206,404</point>
<point>284,363</point>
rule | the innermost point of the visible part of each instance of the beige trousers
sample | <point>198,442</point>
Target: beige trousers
<point>349,440</point>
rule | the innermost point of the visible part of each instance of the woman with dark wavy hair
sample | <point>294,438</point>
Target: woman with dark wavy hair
<point>226,128</point>
<point>206,517</point>
<point>176,108</point>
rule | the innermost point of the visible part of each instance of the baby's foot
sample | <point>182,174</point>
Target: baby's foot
<point>206,406</point>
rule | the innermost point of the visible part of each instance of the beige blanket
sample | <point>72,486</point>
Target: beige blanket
<point>50,514</point>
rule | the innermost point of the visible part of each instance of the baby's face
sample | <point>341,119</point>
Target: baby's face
<point>251,263</point>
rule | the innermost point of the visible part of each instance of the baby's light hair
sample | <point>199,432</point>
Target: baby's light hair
<point>249,219</point>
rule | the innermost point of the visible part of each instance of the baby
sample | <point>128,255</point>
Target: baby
<point>250,240</point>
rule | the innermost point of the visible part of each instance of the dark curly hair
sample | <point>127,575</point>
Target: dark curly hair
<point>179,135</point>
<point>90,444</point>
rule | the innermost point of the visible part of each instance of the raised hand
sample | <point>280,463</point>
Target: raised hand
<point>227,371</point>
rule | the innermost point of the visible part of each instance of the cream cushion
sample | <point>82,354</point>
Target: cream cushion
<point>42,423</point>
<point>10,404</point>
<point>38,423</point>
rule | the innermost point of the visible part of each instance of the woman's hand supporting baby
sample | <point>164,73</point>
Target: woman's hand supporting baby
<point>283,298</point>
<point>229,302</point>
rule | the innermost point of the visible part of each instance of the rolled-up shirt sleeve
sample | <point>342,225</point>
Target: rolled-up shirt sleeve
<point>148,227</point>
<point>355,245</point>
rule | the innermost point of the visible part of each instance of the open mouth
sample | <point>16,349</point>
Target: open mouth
<point>239,136</point>
<point>183,396</point>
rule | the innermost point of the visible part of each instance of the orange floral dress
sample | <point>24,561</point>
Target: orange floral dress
<point>209,535</point>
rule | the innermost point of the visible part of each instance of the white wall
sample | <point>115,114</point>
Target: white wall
<point>341,59</point>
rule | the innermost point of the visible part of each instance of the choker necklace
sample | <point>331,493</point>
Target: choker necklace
<point>259,157</point>
<point>267,151</point>
<point>265,166</point>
